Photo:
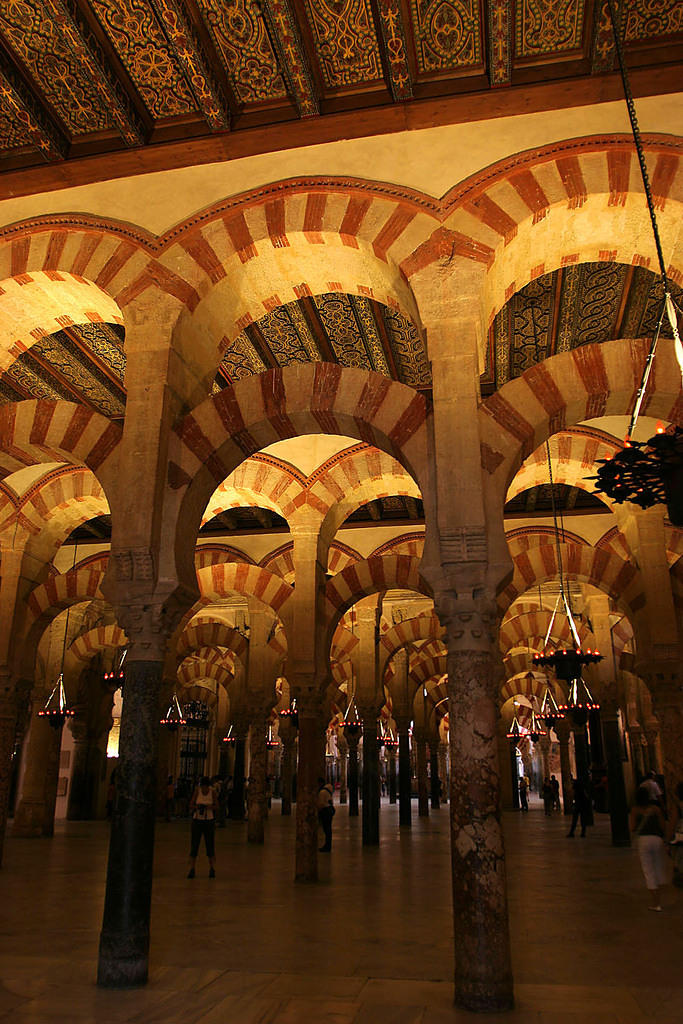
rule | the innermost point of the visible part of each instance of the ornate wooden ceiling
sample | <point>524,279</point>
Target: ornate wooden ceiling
<point>338,328</point>
<point>85,77</point>
<point>588,302</point>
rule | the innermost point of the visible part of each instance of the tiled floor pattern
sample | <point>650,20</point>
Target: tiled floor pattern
<point>370,944</point>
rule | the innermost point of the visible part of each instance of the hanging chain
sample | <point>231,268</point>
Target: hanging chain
<point>555,524</point>
<point>616,29</point>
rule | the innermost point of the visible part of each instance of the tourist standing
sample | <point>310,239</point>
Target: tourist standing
<point>203,810</point>
<point>647,823</point>
<point>325,813</point>
<point>580,808</point>
<point>524,793</point>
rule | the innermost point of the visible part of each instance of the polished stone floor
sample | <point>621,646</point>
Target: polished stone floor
<point>370,944</point>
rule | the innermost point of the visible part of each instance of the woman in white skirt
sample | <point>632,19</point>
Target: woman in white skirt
<point>647,823</point>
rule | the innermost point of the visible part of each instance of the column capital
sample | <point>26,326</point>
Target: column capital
<point>470,622</point>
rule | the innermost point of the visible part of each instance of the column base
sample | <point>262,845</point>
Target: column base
<point>28,820</point>
<point>125,969</point>
<point>481,998</point>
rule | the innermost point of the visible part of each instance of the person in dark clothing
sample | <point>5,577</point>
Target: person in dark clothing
<point>555,786</point>
<point>580,808</point>
<point>523,793</point>
<point>325,813</point>
<point>547,797</point>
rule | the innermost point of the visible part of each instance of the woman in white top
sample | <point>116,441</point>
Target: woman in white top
<point>203,811</point>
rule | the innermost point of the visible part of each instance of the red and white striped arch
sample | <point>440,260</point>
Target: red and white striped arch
<point>588,382</point>
<point>260,481</point>
<point>571,202</point>
<point>574,454</point>
<point>410,631</point>
<point>211,634</point>
<point>301,399</point>
<point>517,629</point>
<point>213,554</point>
<point>601,568</point>
<point>43,430</point>
<point>43,302</point>
<point>61,591</point>
<point>526,684</point>
<point>101,638</point>
<point>371,576</point>
<point>217,582</point>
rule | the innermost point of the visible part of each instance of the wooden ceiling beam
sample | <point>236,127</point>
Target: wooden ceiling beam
<point>499,42</point>
<point>79,37</point>
<point>296,70</point>
<point>461,108</point>
<point>29,112</point>
<point>392,40</point>
<point>195,63</point>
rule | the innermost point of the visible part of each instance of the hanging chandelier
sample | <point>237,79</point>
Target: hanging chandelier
<point>56,709</point>
<point>568,662</point>
<point>291,714</point>
<point>173,718</point>
<point>550,711</point>
<point>229,738</point>
<point>536,729</point>
<point>271,741</point>
<point>647,473</point>
<point>516,731</point>
<point>116,672</point>
<point>352,723</point>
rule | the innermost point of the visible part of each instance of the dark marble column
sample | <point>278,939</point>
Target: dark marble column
<point>434,795</point>
<point>483,973</point>
<point>514,776</point>
<point>124,940</point>
<point>311,747</point>
<point>343,748</point>
<point>667,703</point>
<point>404,777</point>
<point>581,754</point>
<point>286,772</point>
<point>80,796</point>
<point>371,786</point>
<point>616,787</point>
<point>29,816</point>
<point>52,763</point>
<point>392,776</point>
<point>257,796</point>
<point>561,727</point>
<point>236,806</point>
<point>352,737</point>
<point>422,787</point>
<point>8,725</point>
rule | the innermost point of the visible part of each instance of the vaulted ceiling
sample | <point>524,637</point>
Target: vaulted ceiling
<point>85,77</point>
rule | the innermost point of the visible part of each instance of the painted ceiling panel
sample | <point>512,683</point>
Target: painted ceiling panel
<point>139,40</point>
<point>38,43</point>
<point>447,34</point>
<point>345,40</point>
<point>578,305</point>
<point>241,38</point>
<point>350,330</point>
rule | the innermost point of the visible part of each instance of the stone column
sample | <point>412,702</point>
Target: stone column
<point>236,809</point>
<point>392,775</point>
<point>483,972</point>
<point>616,788</point>
<point>371,786</point>
<point>257,796</point>
<point>420,741</point>
<point>561,727</point>
<point>29,817</point>
<point>667,702</point>
<point>544,744</point>
<point>124,939</point>
<point>79,790</point>
<point>287,734</point>
<point>434,769</point>
<point>352,737</point>
<point>52,764</point>
<point>581,754</point>
<point>311,753</point>
<point>404,774</point>
<point>343,748</point>
<point>8,725</point>
<point>443,771</point>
